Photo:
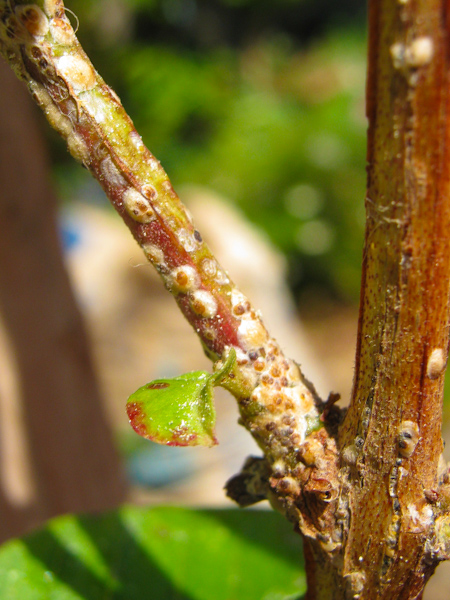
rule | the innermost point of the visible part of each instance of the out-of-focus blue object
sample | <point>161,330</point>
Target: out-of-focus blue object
<point>70,235</point>
<point>158,466</point>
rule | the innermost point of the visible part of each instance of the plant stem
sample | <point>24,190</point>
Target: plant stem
<point>377,527</point>
<point>277,404</point>
<point>392,431</point>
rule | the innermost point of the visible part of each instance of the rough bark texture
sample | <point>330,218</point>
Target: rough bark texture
<point>367,494</point>
<point>392,431</point>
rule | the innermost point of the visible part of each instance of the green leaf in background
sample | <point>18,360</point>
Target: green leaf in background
<point>157,554</point>
<point>178,411</point>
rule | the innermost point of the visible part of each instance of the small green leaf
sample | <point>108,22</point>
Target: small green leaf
<point>178,411</point>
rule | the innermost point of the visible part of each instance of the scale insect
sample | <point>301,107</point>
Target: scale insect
<point>408,438</point>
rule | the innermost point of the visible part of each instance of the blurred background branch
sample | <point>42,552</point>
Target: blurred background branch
<point>57,451</point>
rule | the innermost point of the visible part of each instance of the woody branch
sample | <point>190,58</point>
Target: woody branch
<point>277,404</point>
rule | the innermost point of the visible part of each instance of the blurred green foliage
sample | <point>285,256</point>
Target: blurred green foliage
<point>261,101</point>
<point>161,553</point>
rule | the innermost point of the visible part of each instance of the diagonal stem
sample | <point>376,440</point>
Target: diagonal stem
<point>277,404</point>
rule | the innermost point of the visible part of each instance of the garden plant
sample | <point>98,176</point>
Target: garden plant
<point>366,488</point>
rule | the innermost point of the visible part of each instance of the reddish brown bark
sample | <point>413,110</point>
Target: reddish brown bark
<point>404,319</point>
<point>374,513</point>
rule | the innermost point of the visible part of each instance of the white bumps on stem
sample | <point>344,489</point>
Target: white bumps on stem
<point>33,18</point>
<point>287,405</point>
<point>420,518</point>
<point>154,254</point>
<point>187,240</point>
<point>278,387</point>
<point>355,582</point>
<point>76,72</point>
<point>137,142</point>
<point>251,333</point>
<point>419,52</point>
<point>414,55</point>
<point>51,7</point>
<point>138,206</point>
<point>408,438</point>
<point>62,32</point>
<point>397,52</point>
<point>208,267</point>
<point>203,304</point>
<point>436,363</point>
<point>183,279</point>
<point>350,454</point>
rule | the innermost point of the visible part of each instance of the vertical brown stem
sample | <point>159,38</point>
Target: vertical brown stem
<point>404,315</point>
